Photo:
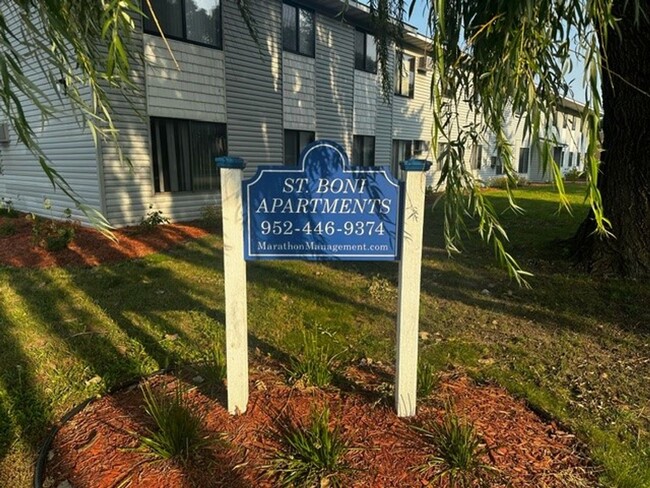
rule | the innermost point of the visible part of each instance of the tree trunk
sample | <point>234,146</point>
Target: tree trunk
<point>624,181</point>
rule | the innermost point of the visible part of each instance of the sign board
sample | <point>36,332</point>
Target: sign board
<point>323,209</point>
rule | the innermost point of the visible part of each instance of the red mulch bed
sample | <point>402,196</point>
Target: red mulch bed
<point>98,448</point>
<point>89,247</point>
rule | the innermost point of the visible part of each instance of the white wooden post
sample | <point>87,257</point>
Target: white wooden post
<point>408,306</point>
<point>234,268</point>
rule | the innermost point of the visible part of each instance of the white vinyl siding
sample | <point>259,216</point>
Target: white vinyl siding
<point>298,87</point>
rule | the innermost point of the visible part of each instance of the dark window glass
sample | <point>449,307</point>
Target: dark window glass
<point>443,153</point>
<point>298,31</point>
<point>360,50</point>
<point>294,142</point>
<point>402,151</point>
<point>365,52</point>
<point>405,75</point>
<point>476,157</point>
<point>197,21</point>
<point>289,23</point>
<point>497,164</point>
<point>558,155</point>
<point>524,154</point>
<point>183,153</point>
<point>577,160</point>
<point>306,33</point>
<point>570,159</point>
<point>363,151</point>
<point>203,21</point>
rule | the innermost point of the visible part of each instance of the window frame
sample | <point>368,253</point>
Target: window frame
<point>183,38</point>
<point>364,141</point>
<point>298,8</point>
<point>157,167</point>
<point>312,137</point>
<point>365,52</point>
<point>399,80</point>
<point>519,160</point>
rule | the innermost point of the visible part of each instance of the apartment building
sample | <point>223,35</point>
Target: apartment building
<point>312,75</point>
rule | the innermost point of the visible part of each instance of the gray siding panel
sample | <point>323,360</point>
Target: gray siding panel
<point>384,122</point>
<point>254,84</point>
<point>63,139</point>
<point>334,80</point>
<point>298,75</point>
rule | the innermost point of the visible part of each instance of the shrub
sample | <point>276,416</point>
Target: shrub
<point>7,229</point>
<point>153,219</point>
<point>311,455</point>
<point>574,174</point>
<point>211,216</point>
<point>315,362</point>
<point>457,453</point>
<point>7,209</point>
<point>502,181</point>
<point>53,235</point>
<point>178,429</point>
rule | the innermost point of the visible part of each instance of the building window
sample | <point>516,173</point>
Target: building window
<point>558,155</point>
<point>183,153</point>
<point>195,21</point>
<point>476,157</point>
<point>524,155</point>
<point>405,75</point>
<point>363,151</point>
<point>365,52</point>
<point>570,159</point>
<point>496,164</point>
<point>402,151</point>
<point>420,148</point>
<point>294,142</point>
<point>298,32</point>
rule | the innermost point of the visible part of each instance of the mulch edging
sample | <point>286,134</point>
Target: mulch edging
<point>96,448</point>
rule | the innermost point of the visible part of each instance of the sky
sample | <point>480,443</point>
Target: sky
<point>574,78</point>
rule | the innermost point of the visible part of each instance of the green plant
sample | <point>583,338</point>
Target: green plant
<point>315,362</point>
<point>178,429</point>
<point>426,379</point>
<point>211,215</point>
<point>154,218</point>
<point>502,182</point>
<point>7,229</point>
<point>574,174</point>
<point>312,456</point>
<point>7,208</point>
<point>457,453</point>
<point>53,235</point>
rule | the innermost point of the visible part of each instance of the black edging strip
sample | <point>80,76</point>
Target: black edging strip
<point>39,469</point>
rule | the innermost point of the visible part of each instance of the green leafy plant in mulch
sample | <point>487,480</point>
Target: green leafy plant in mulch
<point>53,235</point>
<point>311,455</point>
<point>153,219</point>
<point>315,363</point>
<point>502,182</point>
<point>457,453</point>
<point>574,174</point>
<point>211,216</point>
<point>178,431</point>
<point>7,229</point>
<point>427,379</point>
<point>7,209</point>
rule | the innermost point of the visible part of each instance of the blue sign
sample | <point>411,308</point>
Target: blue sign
<point>323,209</point>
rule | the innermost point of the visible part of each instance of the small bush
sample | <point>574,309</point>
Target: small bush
<point>574,174</point>
<point>314,365</point>
<point>211,216</point>
<point>427,380</point>
<point>457,453</point>
<point>7,209</point>
<point>7,229</point>
<point>53,235</point>
<point>501,182</point>
<point>153,219</point>
<point>312,456</point>
<point>178,429</point>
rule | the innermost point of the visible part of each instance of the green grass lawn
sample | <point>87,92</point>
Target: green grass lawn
<point>575,348</point>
